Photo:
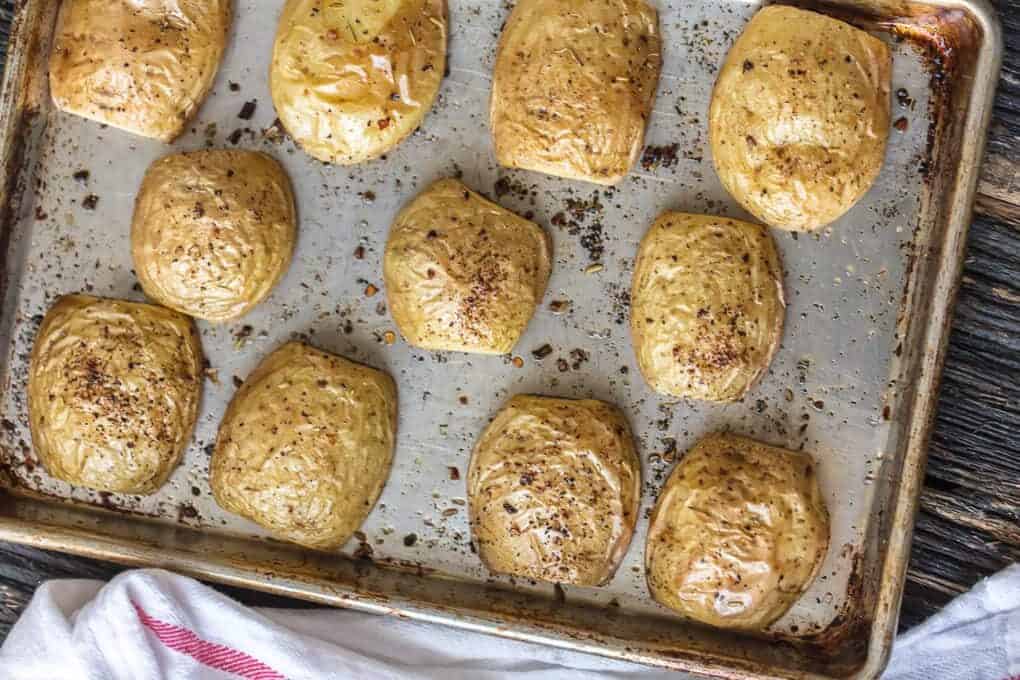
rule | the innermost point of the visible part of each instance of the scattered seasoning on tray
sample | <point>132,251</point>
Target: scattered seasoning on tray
<point>656,156</point>
<point>562,365</point>
<point>594,268</point>
<point>82,176</point>
<point>90,202</point>
<point>186,511</point>
<point>410,540</point>
<point>463,400</point>
<point>517,362</point>
<point>559,306</point>
<point>904,98</point>
<point>248,110</point>
<point>359,253</point>
<point>275,133</point>
<point>901,124</point>
<point>235,137</point>
<point>389,337</point>
<point>370,290</point>
<point>578,356</point>
<point>234,87</point>
<point>454,473</point>
<point>237,381</point>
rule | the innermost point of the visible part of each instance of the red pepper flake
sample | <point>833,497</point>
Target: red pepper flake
<point>383,123</point>
<point>454,473</point>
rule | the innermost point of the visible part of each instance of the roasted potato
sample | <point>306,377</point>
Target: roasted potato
<point>553,490</point>
<point>707,306</point>
<point>462,273</point>
<point>351,79</point>
<point>144,66</point>
<point>738,534</point>
<point>113,392</point>
<point>213,231</point>
<point>800,117</point>
<point>306,445</point>
<point>574,85</point>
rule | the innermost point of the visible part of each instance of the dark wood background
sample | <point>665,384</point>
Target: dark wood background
<point>969,525</point>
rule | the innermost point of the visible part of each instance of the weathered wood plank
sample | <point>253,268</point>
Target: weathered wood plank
<point>999,188</point>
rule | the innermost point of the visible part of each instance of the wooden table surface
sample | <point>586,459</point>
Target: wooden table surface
<point>969,525</point>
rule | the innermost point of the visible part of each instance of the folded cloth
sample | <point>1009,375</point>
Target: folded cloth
<point>976,637</point>
<point>152,624</point>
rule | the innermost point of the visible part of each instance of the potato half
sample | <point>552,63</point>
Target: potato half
<point>738,534</point>
<point>306,445</point>
<point>213,231</point>
<point>113,392</point>
<point>143,66</point>
<point>553,489</point>
<point>800,117</point>
<point>574,85</point>
<point>352,78</point>
<point>707,306</point>
<point>462,273</point>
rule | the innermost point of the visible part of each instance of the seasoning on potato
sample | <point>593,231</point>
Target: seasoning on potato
<point>707,306</point>
<point>143,66</point>
<point>738,534</point>
<point>113,392</point>
<point>306,445</point>
<point>351,80</point>
<point>553,490</point>
<point>573,87</point>
<point>800,117</point>
<point>462,273</point>
<point>213,231</point>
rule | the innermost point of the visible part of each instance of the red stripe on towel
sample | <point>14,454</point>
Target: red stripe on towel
<point>210,654</point>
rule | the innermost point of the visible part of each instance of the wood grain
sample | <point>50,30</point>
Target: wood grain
<point>969,524</point>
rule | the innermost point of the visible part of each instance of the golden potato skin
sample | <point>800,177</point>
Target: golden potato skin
<point>800,117</point>
<point>113,392</point>
<point>738,534</point>
<point>143,66</point>
<point>573,87</point>
<point>352,78</point>
<point>707,306</point>
<point>462,273</point>
<point>553,490</point>
<point>306,445</point>
<point>213,231</point>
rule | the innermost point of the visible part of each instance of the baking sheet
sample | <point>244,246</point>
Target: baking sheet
<point>832,389</point>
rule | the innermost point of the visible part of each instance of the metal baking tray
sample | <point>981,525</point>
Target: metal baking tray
<point>854,381</point>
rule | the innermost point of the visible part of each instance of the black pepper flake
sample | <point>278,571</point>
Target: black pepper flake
<point>235,87</point>
<point>359,253</point>
<point>90,202</point>
<point>542,352</point>
<point>248,110</point>
<point>748,65</point>
<point>410,540</point>
<point>235,137</point>
<point>511,510</point>
<point>82,176</point>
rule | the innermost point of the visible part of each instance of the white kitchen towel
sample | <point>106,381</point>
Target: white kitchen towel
<point>156,625</point>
